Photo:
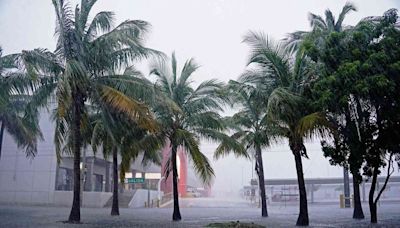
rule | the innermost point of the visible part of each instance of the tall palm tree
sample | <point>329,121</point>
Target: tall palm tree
<point>288,108</point>
<point>250,127</point>
<point>320,26</point>
<point>84,65</point>
<point>16,114</point>
<point>186,115</point>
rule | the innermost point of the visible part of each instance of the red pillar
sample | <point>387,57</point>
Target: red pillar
<point>166,184</point>
<point>182,171</point>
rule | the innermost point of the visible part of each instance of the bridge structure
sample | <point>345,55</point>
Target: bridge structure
<point>287,188</point>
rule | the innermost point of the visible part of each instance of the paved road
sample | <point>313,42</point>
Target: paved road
<point>195,213</point>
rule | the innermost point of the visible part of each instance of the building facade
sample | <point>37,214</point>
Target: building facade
<point>41,180</point>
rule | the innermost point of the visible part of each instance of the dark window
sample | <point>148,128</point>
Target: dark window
<point>64,179</point>
<point>98,185</point>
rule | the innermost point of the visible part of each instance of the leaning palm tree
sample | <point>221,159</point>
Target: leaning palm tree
<point>320,26</point>
<point>249,126</point>
<point>85,67</point>
<point>185,115</point>
<point>287,106</point>
<point>16,100</point>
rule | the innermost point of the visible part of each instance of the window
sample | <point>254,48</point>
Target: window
<point>98,185</point>
<point>64,180</point>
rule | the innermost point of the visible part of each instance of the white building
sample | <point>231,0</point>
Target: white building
<point>42,181</point>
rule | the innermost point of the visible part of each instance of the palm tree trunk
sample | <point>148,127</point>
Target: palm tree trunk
<point>1,136</point>
<point>261,182</point>
<point>115,206</point>
<point>358,211</point>
<point>176,216</point>
<point>371,202</point>
<point>302,220</point>
<point>75,214</point>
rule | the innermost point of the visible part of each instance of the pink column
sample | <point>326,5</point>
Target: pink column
<point>183,172</point>
<point>166,184</point>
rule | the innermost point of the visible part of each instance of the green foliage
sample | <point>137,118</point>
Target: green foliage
<point>188,114</point>
<point>84,67</point>
<point>359,90</point>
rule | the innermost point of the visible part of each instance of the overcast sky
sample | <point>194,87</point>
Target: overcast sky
<point>211,31</point>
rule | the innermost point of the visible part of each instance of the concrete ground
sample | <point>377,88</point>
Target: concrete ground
<point>196,213</point>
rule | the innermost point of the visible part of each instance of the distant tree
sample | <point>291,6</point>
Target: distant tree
<point>249,127</point>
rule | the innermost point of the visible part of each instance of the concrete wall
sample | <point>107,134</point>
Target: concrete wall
<point>141,196</point>
<point>90,199</point>
<point>25,180</point>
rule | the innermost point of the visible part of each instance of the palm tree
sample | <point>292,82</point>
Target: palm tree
<point>186,114</point>
<point>84,67</point>
<point>320,26</point>
<point>115,132</point>
<point>249,126</point>
<point>16,114</point>
<point>292,115</point>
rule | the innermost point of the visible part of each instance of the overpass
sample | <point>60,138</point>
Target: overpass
<point>289,186</point>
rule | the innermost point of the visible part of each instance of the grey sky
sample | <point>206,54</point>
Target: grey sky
<point>209,30</point>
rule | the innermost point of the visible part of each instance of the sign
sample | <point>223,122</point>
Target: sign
<point>135,180</point>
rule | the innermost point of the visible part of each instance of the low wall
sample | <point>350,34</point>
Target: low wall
<point>141,196</point>
<point>90,199</point>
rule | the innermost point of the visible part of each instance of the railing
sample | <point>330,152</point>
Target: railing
<point>158,202</point>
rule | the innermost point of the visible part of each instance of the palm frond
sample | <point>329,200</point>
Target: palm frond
<point>316,22</point>
<point>269,55</point>
<point>101,23</point>
<point>137,111</point>
<point>201,163</point>
<point>347,8</point>
<point>314,124</point>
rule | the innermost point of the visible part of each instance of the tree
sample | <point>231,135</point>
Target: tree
<point>84,67</point>
<point>117,134</point>
<point>360,75</point>
<point>16,114</point>
<point>321,28</point>
<point>249,126</point>
<point>288,108</point>
<point>186,115</point>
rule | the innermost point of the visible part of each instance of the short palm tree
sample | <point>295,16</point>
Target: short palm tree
<point>85,67</point>
<point>287,105</point>
<point>186,115</point>
<point>249,127</point>
<point>115,132</point>
<point>16,114</point>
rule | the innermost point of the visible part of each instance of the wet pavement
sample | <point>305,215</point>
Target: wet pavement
<point>196,213</point>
